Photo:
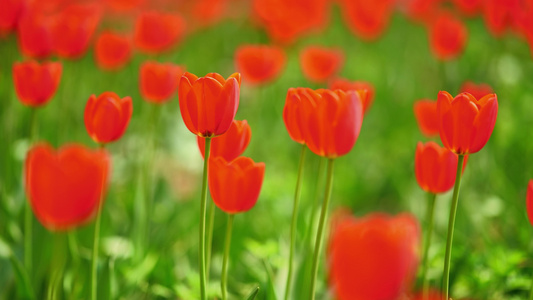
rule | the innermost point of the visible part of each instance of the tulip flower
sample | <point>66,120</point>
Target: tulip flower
<point>231,144</point>
<point>35,34</point>
<point>112,51</point>
<point>365,90</point>
<point>374,257</point>
<point>499,15</point>
<point>529,201</point>
<point>36,83</point>
<point>420,11</point>
<point>259,63</point>
<point>320,63</point>
<point>292,114</point>
<point>209,11</point>
<point>367,19</point>
<point>476,90</point>
<point>107,117</point>
<point>159,81</point>
<point>156,32</point>
<point>65,187</point>
<point>10,14</point>
<point>469,7</point>
<point>447,36</point>
<point>426,117</point>
<point>435,167</point>
<point>124,6</point>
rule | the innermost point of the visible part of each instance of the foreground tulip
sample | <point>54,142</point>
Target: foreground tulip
<point>293,114</point>
<point>231,144</point>
<point>529,201</point>
<point>159,81</point>
<point>259,63</point>
<point>112,51</point>
<point>426,117</point>
<point>447,37</point>
<point>107,117</point>
<point>365,90</point>
<point>476,90</point>
<point>36,83</point>
<point>156,32</point>
<point>374,257</point>
<point>319,63</point>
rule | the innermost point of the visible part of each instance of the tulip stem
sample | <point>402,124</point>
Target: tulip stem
<point>28,215</point>
<point>429,215</point>
<point>321,224</point>
<point>203,202</point>
<point>209,242</point>
<point>96,239</point>
<point>294,219</point>
<point>227,245</point>
<point>451,224</point>
<point>531,293</point>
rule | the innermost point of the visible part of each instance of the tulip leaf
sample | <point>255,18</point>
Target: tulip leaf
<point>253,294</point>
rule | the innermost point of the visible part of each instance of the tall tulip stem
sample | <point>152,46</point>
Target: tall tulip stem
<point>321,225</point>
<point>209,241</point>
<point>96,240</point>
<point>531,292</point>
<point>227,245</point>
<point>429,230</point>
<point>294,219</point>
<point>451,224</point>
<point>203,202</point>
<point>28,215</point>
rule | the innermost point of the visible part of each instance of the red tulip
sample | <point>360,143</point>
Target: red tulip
<point>124,5</point>
<point>529,201</point>
<point>35,34</point>
<point>447,37</point>
<point>259,63</point>
<point>209,11</point>
<point>231,144</point>
<point>499,15</point>
<point>477,90</point>
<point>235,186</point>
<point>293,113</point>
<point>365,90</point>
<point>367,19</point>
<point>10,14</point>
<point>426,117</point>
<point>374,257</point>
<point>65,187</point>
<point>319,63</point>
<point>159,81</point>
<point>469,7</point>
<point>435,167</point>
<point>208,104</point>
<point>107,117</point>
<point>112,51</point>
<point>36,83</point>
<point>421,10</point>
<point>465,123</point>
<point>156,32</point>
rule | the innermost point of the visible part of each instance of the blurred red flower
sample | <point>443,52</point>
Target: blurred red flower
<point>107,117</point>
<point>529,201</point>
<point>235,185</point>
<point>367,19</point>
<point>499,15</point>
<point>320,63</point>
<point>374,257</point>
<point>10,14</point>
<point>35,34</point>
<point>259,63</point>
<point>231,144</point>
<point>209,11</point>
<point>208,104</point>
<point>156,32</point>
<point>112,51</point>
<point>65,187</point>
<point>477,90</point>
<point>447,36</point>
<point>426,117</point>
<point>466,123</point>
<point>469,7</point>
<point>420,10</point>
<point>365,90</point>
<point>159,81</point>
<point>123,6</point>
<point>36,83</point>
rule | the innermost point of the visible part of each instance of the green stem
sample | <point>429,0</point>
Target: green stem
<point>322,222</point>
<point>28,215</point>
<point>294,219</point>
<point>451,224</point>
<point>96,240</point>
<point>209,242</point>
<point>224,278</point>
<point>531,293</point>
<point>429,215</point>
<point>203,202</point>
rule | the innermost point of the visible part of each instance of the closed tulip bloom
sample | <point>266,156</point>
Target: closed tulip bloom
<point>529,201</point>
<point>466,123</point>
<point>435,167</point>
<point>159,81</point>
<point>447,36</point>
<point>107,117</point>
<point>36,83</point>
<point>374,257</point>
<point>320,63</point>
<point>231,144</point>
<point>499,15</point>
<point>293,113</point>
<point>426,117</point>
<point>112,51</point>
<point>367,19</point>
<point>259,63</point>
<point>65,187</point>
<point>35,34</point>
<point>477,90</point>
<point>469,7</point>
<point>10,14</point>
<point>156,32</point>
<point>208,104</point>
<point>365,90</point>
<point>235,185</point>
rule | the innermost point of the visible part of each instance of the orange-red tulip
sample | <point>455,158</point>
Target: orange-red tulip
<point>156,32</point>
<point>107,117</point>
<point>477,90</point>
<point>422,11</point>
<point>209,11</point>
<point>235,185</point>
<point>447,36</point>
<point>259,63</point>
<point>435,167</point>
<point>231,144</point>
<point>293,114</point>
<point>112,51</point>
<point>319,63</point>
<point>426,117</point>
<point>469,7</point>
<point>529,201</point>
<point>65,187</point>
<point>208,104</point>
<point>35,34</point>
<point>10,14</point>
<point>374,257</point>
<point>367,19</point>
<point>159,81</point>
<point>365,90</point>
<point>466,123</point>
<point>499,15</point>
<point>124,5</point>
<point>36,83</point>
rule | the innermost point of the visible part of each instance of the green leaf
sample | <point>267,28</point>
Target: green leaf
<point>253,293</point>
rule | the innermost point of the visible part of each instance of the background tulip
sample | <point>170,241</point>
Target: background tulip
<point>156,32</point>
<point>36,83</point>
<point>367,19</point>
<point>231,144</point>
<point>319,63</point>
<point>426,117</point>
<point>159,81</point>
<point>259,63</point>
<point>529,201</point>
<point>35,34</point>
<point>447,36</point>
<point>112,51</point>
<point>107,117</point>
<point>476,90</point>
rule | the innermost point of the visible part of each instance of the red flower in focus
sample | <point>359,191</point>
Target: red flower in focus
<point>10,14</point>
<point>36,83</point>
<point>529,201</point>
<point>259,63</point>
<point>320,63</point>
<point>469,7</point>
<point>235,186</point>
<point>159,81</point>
<point>374,257</point>
<point>426,117</point>
<point>466,123</point>
<point>367,19</point>
<point>112,51</point>
<point>365,90</point>
<point>477,90</point>
<point>35,34</point>
<point>208,104</point>
<point>156,32</point>
<point>65,187</point>
<point>107,117</point>
<point>435,167</point>
<point>293,113</point>
<point>447,36</point>
<point>231,144</point>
